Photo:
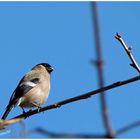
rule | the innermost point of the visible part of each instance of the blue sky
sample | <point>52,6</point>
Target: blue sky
<point>61,33</point>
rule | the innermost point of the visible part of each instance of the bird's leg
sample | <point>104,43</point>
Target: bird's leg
<point>38,106</point>
<point>23,111</point>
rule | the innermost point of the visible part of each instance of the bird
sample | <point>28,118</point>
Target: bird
<point>32,90</point>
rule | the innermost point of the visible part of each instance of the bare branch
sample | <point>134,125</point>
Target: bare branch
<point>66,135</point>
<point>134,65</point>
<point>99,64</point>
<point>77,98</point>
<point>128,127</point>
<point>128,51</point>
<point>4,123</point>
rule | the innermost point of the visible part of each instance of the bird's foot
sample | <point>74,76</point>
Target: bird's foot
<point>38,107</point>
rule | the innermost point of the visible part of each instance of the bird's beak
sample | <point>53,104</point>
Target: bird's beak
<point>50,69</point>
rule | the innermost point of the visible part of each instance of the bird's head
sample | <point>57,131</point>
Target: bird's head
<point>46,65</point>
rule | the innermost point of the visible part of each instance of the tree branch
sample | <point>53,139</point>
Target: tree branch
<point>66,135</point>
<point>128,127</point>
<point>4,123</point>
<point>136,66</point>
<point>77,98</point>
<point>128,51</point>
<point>99,65</point>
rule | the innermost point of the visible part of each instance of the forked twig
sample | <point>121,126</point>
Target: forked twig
<point>136,66</point>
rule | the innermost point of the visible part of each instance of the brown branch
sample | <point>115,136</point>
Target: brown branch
<point>76,135</point>
<point>66,135</point>
<point>99,64</point>
<point>128,51</point>
<point>4,123</point>
<point>77,98</point>
<point>128,127</point>
<point>134,65</point>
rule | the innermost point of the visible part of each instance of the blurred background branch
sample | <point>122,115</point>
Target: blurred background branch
<point>99,64</point>
<point>128,128</point>
<point>65,135</point>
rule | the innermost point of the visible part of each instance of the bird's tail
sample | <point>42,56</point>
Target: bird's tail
<point>8,109</point>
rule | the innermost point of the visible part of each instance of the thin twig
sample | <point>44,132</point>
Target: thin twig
<point>80,97</point>
<point>99,64</point>
<point>128,51</point>
<point>128,127</point>
<point>134,65</point>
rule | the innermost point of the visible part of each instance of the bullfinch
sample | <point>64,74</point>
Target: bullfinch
<point>32,90</point>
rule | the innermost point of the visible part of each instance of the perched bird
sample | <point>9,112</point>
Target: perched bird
<point>32,90</point>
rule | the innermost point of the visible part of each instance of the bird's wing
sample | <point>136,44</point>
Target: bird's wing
<point>23,87</point>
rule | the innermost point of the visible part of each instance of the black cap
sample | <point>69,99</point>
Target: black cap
<point>47,66</point>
